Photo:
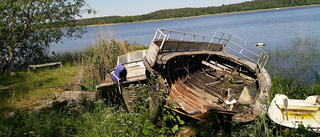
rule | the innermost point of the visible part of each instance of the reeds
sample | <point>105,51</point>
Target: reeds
<point>297,62</point>
<point>100,58</point>
<point>295,69</point>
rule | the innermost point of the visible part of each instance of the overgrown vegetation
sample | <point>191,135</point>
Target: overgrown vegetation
<point>295,68</point>
<point>99,59</point>
<point>102,119</point>
<point>188,12</point>
<point>81,119</point>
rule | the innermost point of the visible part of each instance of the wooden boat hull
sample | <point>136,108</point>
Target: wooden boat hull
<point>292,112</point>
<point>203,86</point>
<point>201,78</point>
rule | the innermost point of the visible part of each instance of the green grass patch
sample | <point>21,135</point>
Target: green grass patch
<point>80,119</point>
<point>22,90</point>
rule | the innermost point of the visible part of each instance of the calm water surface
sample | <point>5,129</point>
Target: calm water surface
<point>275,28</point>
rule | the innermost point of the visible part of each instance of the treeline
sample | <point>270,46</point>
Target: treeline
<point>187,12</point>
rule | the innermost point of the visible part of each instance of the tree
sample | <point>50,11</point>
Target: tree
<point>29,26</point>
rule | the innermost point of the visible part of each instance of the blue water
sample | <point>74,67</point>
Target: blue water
<point>275,28</point>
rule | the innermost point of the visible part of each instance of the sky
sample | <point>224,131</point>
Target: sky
<point>138,7</point>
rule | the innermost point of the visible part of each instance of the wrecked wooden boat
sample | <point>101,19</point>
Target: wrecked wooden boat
<point>225,75</point>
<point>130,70</point>
<point>292,112</point>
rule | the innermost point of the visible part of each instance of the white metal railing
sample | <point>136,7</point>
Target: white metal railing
<point>239,46</point>
<point>165,34</point>
<point>244,48</point>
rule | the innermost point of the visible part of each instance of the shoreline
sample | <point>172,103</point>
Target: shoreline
<point>224,13</point>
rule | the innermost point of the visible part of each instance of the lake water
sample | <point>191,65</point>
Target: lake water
<point>275,28</point>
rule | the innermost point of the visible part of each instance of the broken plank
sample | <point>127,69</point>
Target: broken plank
<point>200,93</point>
<point>219,65</point>
<point>188,101</point>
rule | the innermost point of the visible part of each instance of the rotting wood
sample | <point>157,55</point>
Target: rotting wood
<point>200,85</point>
<point>199,102</point>
<point>187,100</point>
<point>241,75</point>
<point>188,86</point>
<point>152,54</point>
<point>201,89</point>
<point>212,66</point>
<point>200,94</point>
<point>221,66</point>
<point>186,107</point>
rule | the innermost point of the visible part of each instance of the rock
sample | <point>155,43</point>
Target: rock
<point>39,108</point>
<point>78,96</point>
<point>47,102</point>
<point>11,114</point>
<point>67,96</point>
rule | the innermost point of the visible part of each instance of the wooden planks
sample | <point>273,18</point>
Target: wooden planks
<point>152,53</point>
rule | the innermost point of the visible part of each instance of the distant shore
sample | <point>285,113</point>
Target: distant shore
<point>203,15</point>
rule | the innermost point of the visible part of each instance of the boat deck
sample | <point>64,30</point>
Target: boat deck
<point>214,88</point>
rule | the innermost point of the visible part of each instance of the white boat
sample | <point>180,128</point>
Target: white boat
<point>130,70</point>
<point>292,112</point>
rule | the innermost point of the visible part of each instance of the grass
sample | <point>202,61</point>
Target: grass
<point>101,58</point>
<point>23,90</point>
<point>80,119</point>
<point>295,70</point>
<point>297,79</point>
